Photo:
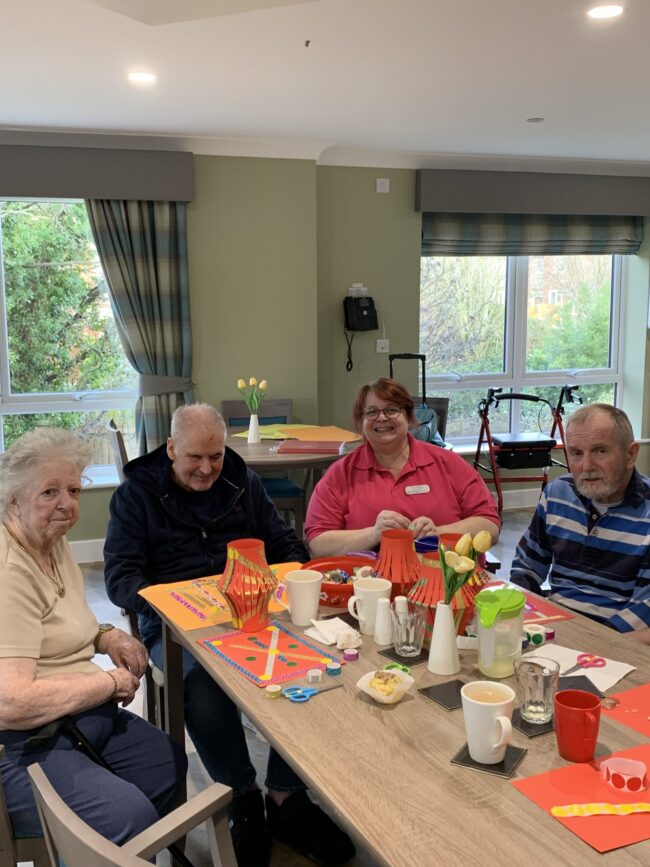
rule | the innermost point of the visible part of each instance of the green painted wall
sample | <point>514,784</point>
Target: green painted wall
<point>371,238</point>
<point>93,515</point>
<point>252,253</point>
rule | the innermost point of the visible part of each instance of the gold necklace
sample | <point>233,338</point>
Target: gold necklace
<point>56,578</point>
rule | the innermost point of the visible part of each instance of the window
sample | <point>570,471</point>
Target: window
<point>523,323</point>
<point>61,361</point>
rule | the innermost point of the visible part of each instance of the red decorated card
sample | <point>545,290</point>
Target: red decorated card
<point>583,784</point>
<point>633,710</point>
<point>273,655</point>
<point>537,609</point>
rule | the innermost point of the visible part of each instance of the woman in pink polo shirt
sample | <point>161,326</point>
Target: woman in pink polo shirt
<point>394,481</point>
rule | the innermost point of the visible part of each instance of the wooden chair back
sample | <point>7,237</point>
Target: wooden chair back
<point>119,449</point>
<point>15,849</point>
<point>273,411</point>
<point>76,844</point>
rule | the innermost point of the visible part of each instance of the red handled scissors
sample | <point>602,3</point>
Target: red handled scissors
<point>586,660</point>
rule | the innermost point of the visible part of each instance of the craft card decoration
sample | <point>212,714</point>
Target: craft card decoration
<point>562,791</point>
<point>273,655</point>
<point>248,584</point>
<point>536,609</point>
<point>397,561</point>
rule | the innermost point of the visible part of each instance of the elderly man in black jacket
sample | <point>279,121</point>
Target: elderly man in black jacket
<point>171,520</point>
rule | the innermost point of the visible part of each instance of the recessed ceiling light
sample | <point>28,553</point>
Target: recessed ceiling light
<point>535,119</point>
<point>141,77</point>
<point>610,11</point>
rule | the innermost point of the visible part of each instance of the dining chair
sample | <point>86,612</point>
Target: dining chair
<point>154,681</point>
<point>287,495</point>
<point>16,849</point>
<point>76,844</point>
<point>120,456</point>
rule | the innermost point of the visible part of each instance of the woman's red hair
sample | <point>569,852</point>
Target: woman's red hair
<point>390,390</point>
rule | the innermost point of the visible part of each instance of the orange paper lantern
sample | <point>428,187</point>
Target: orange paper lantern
<point>398,561</point>
<point>247,584</point>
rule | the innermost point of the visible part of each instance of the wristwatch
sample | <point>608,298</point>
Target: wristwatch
<point>103,629</point>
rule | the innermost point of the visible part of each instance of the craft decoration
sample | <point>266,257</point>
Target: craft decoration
<point>397,561</point>
<point>247,584</point>
<point>273,655</point>
<point>583,784</point>
<point>430,589</point>
<point>598,810</point>
<point>538,610</point>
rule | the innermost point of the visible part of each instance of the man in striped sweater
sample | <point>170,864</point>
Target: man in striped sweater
<point>590,534</point>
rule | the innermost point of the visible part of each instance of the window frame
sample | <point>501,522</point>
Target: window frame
<point>40,403</point>
<point>514,376</point>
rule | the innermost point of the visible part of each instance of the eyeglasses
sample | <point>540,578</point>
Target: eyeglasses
<point>389,411</point>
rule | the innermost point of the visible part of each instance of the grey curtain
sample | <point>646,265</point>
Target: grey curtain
<point>445,234</point>
<point>143,250</point>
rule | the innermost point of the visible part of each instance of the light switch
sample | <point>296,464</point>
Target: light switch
<point>382,185</point>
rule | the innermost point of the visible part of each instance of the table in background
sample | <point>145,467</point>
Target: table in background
<point>385,769</point>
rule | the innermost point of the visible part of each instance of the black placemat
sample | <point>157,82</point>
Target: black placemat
<point>506,768</point>
<point>529,729</point>
<point>579,681</point>
<point>447,694</point>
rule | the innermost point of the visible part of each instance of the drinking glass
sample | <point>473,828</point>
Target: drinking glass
<point>537,680</point>
<point>408,628</point>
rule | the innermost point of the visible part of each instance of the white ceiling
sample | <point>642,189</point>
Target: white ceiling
<point>391,82</point>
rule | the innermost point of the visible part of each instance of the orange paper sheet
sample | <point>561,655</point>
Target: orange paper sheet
<point>197,603</point>
<point>582,784</point>
<point>633,710</point>
<point>329,433</point>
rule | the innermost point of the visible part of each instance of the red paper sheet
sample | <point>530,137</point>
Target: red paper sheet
<point>633,710</point>
<point>583,784</point>
<point>271,656</point>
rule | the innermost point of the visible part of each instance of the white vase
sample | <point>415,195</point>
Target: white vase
<point>254,430</point>
<point>443,652</point>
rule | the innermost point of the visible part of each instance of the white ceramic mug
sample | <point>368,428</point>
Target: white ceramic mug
<point>487,708</point>
<point>303,590</point>
<point>363,604</point>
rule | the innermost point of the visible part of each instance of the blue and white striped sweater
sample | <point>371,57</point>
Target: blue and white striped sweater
<point>597,564</point>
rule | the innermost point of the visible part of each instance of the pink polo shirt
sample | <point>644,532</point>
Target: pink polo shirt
<point>434,482</point>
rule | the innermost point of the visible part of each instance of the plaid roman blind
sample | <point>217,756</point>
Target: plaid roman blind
<point>446,234</point>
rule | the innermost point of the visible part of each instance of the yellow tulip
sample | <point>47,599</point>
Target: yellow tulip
<point>241,383</point>
<point>464,564</point>
<point>252,381</point>
<point>482,542</point>
<point>464,545</point>
<point>451,558</point>
<point>263,385</point>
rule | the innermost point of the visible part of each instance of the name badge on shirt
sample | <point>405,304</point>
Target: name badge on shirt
<point>417,489</point>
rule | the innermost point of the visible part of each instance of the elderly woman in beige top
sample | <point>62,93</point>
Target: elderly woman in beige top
<point>48,638</point>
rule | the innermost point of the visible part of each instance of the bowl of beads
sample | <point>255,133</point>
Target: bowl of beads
<point>339,574</point>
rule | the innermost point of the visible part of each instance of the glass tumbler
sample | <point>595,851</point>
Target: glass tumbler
<point>408,628</point>
<point>537,681</point>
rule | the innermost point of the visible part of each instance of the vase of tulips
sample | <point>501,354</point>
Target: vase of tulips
<point>253,394</point>
<point>458,566</point>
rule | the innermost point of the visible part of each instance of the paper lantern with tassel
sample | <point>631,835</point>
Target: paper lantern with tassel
<point>430,589</point>
<point>247,584</point>
<point>397,561</point>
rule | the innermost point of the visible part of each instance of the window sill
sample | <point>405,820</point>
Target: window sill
<point>98,477</point>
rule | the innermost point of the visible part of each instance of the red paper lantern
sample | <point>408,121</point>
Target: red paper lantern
<point>247,584</point>
<point>398,561</point>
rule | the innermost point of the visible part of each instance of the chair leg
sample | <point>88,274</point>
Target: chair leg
<point>299,519</point>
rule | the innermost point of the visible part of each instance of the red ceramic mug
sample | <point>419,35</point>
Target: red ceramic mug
<point>577,719</point>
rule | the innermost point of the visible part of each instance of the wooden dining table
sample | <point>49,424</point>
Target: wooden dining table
<point>385,772</point>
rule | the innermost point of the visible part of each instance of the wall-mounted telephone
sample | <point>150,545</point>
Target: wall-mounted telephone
<point>360,313</point>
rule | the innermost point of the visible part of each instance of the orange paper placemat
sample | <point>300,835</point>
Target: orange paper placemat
<point>633,710</point>
<point>196,603</point>
<point>583,784</point>
<point>323,433</point>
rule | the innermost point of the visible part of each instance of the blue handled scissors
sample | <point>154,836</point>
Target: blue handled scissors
<point>303,693</point>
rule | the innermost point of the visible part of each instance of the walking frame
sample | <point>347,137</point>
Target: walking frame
<point>521,451</point>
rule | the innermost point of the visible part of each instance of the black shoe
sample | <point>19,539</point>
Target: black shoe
<point>250,836</point>
<point>306,829</point>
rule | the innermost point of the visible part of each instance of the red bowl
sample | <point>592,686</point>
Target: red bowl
<point>337,595</point>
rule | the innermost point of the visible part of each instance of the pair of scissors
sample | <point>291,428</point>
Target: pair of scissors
<point>586,660</point>
<point>304,693</point>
